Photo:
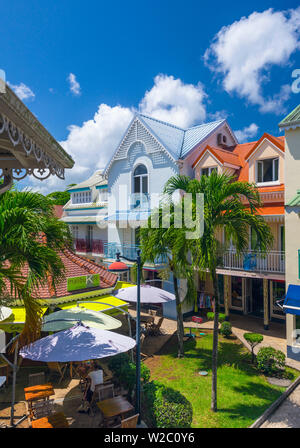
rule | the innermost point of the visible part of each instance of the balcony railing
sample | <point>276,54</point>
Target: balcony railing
<point>127,250</point>
<point>87,246</point>
<point>273,261</point>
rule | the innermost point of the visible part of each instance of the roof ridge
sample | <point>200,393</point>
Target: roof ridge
<point>162,122</point>
<point>205,124</point>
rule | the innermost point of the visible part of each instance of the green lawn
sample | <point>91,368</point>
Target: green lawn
<point>243,394</point>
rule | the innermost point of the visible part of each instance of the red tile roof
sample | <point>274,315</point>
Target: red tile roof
<point>75,266</point>
<point>222,155</point>
<point>58,211</point>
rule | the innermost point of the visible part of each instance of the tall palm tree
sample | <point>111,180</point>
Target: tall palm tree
<point>171,245</point>
<point>231,206</point>
<point>30,238</point>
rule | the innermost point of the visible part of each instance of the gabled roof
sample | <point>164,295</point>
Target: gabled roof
<point>177,142</point>
<point>277,141</point>
<point>96,179</point>
<point>292,119</point>
<point>223,156</point>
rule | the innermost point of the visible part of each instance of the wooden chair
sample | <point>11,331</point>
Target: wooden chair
<point>129,422</point>
<point>34,379</point>
<point>154,329</point>
<point>58,368</point>
<point>152,312</point>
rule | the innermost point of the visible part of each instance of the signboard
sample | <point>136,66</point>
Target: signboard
<point>83,282</point>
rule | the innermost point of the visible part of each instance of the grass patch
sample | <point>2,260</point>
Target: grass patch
<point>243,393</point>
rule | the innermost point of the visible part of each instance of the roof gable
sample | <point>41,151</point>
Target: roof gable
<point>292,120</point>
<point>277,141</point>
<point>223,156</point>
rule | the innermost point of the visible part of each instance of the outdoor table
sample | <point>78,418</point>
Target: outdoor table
<point>112,407</point>
<point>39,392</point>
<point>57,420</point>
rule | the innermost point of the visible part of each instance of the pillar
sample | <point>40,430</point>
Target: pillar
<point>290,328</point>
<point>266,304</point>
<point>227,288</point>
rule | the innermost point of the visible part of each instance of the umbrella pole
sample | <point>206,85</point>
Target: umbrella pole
<point>12,411</point>
<point>138,339</point>
<point>130,333</point>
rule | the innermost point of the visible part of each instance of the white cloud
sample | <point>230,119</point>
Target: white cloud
<point>173,101</point>
<point>245,51</point>
<point>74,84</point>
<point>93,143</point>
<point>24,92</point>
<point>243,135</point>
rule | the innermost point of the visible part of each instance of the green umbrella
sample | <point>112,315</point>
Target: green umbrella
<point>90,318</point>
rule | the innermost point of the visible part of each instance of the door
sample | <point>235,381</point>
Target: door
<point>89,239</point>
<point>248,295</point>
<point>257,297</point>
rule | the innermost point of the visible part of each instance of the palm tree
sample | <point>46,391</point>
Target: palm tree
<point>231,206</point>
<point>171,245</point>
<point>30,238</point>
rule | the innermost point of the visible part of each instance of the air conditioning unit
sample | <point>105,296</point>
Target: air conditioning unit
<point>222,139</point>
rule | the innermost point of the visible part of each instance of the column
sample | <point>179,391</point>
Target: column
<point>266,304</point>
<point>227,279</point>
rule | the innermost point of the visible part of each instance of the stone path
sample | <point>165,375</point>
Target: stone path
<point>287,415</point>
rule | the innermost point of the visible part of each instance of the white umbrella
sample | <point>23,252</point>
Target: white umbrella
<point>5,312</point>
<point>149,294</point>
<point>78,343</point>
<point>63,319</point>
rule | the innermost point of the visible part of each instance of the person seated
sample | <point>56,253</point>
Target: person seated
<point>94,377</point>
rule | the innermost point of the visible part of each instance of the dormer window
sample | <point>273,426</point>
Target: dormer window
<point>208,171</point>
<point>140,180</point>
<point>82,197</point>
<point>267,170</point>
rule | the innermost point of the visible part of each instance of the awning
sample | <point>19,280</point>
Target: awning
<point>291,303</point>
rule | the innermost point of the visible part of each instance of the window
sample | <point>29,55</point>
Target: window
<point>267,170</point>
<point>237,292</point>
<point>82,197</point>
<point>103,194</point>
<point>140,180</point>
<point>208,171</point>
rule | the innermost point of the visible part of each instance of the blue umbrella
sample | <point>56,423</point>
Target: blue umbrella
<point>78,343</point>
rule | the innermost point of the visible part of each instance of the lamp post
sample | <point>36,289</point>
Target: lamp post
<point>118,266</point>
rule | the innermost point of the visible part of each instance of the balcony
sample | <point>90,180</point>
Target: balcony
<point>127,250</point>
<point>87,246</point>
<point>273,261</point>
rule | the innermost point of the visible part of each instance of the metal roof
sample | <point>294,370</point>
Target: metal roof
<point>96,179</point>
<point>295,201</point>
<point>176,140</point>
<point>292,119</point>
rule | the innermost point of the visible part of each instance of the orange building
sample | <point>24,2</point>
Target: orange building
<point>249,283</point>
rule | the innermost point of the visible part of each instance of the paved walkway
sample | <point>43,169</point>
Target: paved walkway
<point>288,413</point>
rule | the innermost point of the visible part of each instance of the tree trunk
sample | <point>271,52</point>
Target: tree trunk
<point>180,328</point>
<point>215,344</point>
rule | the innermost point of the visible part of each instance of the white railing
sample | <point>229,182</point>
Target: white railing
<point>273,261</point>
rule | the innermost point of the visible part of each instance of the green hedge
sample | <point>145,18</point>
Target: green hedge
<point>225,329</point>
<point>164,407</point>
<point>270,361</point>
<point>210,316</point>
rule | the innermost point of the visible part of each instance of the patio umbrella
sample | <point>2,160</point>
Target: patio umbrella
<point>78,343</point>
<point>90,318</point>
<point>5,312</point>
<point>149,294</point>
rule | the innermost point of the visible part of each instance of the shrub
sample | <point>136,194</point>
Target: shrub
<point>210,316</point>
<point>125,372</point>
<point>226,329</point>
<point>253,339</point>
<point>165,407</point>
<point>270,361</point>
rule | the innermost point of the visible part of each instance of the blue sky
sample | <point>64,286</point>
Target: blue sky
<point>117,51</point>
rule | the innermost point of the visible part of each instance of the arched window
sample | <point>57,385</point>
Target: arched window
<point>140,179</point>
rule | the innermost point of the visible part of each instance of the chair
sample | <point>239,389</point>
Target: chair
<point>43,408</point>
<point>104,391</point>
<point>34,379</point>
<point>129,422</point>
<point>154,329</point>
<point>56,367</point>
